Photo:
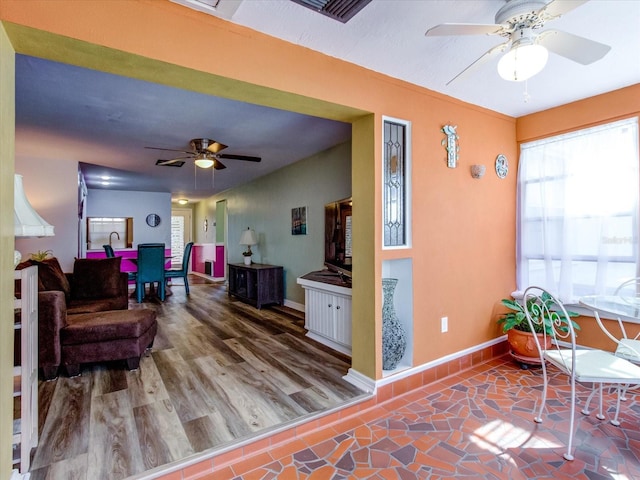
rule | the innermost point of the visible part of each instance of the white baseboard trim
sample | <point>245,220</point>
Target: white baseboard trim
<point>361,381</point>
<point>439,361</point>
<point>295,305</point>
<point>208,277</point>
<point>329,343</point>
<point>369,385</point>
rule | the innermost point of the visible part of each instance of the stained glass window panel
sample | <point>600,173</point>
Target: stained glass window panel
<point>395,191</point>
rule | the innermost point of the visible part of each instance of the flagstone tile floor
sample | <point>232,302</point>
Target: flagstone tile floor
<point>477,424</point>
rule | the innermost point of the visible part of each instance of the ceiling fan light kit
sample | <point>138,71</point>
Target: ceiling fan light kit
<point>203,161</point>
<point>527,52</point>
<point>525,58</point>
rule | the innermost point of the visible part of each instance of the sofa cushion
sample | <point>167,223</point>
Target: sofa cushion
<point>90,305</point>
<point>51,276</point>
<point>96,278</point>
<point>96,327</point>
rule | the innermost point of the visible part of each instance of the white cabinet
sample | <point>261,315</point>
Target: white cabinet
<point>25,375</point>
<point>328,314</point>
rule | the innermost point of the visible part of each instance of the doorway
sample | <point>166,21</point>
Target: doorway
<point>181,228</point>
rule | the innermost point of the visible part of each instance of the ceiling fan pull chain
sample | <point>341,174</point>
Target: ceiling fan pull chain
<point>525,94</point>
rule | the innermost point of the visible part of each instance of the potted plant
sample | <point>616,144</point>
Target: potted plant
<point>41,255</point>
<point>519,335</point>
<point>247,257</point>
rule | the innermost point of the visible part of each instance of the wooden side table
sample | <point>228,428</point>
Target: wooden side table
<point>257,284</point>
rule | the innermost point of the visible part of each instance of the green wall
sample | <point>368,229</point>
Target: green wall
<point>265,205</point>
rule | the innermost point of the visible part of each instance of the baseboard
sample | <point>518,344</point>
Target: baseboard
<point>294,305</point>
<point>467,352</point>
<point>369,385</point>
<point>208,277</point>
<point>361,381</point>
<point>329,343</point>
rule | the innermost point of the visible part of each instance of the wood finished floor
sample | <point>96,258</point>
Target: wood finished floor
<point>220,371</point>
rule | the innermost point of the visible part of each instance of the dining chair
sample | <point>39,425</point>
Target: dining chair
<point>150,269</point>
<point>108,249</point>
<point>184,271</point>
<point>596,367</point>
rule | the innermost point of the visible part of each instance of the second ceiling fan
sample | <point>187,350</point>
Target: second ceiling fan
<point>205,152</point>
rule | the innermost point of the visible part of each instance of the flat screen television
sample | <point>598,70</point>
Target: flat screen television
<point>337,236</point>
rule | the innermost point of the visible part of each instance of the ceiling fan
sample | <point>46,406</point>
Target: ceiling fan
<point>527,51</point>
<point>206,154</point>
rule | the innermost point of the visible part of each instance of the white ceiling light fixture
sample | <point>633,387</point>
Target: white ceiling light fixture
<point>203,160</point>
<point>525,58</point>
<point>183,201</point>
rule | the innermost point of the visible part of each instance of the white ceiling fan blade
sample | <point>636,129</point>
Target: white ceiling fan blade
<point>480,61</point>
<point>559,7</point>
<point>463,29</point>
<point>573,47</point>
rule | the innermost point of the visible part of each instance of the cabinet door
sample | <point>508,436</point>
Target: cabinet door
<point>320,318</point>
<point>342,320</point>
<point>250,281</point>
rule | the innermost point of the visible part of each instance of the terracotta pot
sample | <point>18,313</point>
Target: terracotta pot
<point>523,345</point>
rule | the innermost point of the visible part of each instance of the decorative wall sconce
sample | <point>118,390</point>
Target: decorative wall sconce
<point>451,145</point>
<point>502,166</point>
<point>477,171</point>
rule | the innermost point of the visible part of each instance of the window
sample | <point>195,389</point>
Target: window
<point>578,211</point>
<point>396,185</point>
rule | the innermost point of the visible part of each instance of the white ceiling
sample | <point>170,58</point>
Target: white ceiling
<point>387,36</point>
<point>105,121</point>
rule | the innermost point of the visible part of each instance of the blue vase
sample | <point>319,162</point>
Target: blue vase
<point>394,339</point>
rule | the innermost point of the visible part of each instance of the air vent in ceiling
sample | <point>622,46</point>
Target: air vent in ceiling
<point>341,10</point>
<point>163,163</point>
<point>219,8</point>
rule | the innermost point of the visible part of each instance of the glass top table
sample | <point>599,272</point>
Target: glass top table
<point>613,304</point>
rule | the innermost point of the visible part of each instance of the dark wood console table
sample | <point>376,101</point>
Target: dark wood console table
<point>256,284</point>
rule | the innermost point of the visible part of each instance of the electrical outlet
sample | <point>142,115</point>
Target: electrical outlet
<point>444,324</point>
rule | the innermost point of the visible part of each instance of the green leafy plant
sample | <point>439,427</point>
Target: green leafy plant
<point>248,253</point>
<point>537,307</point>
<point>41,255</point>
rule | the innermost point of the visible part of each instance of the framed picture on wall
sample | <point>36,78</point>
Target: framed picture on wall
<point>299,221</point>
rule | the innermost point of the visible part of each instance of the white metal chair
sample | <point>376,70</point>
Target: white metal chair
<point>626,347</point>
<point>581,365</point>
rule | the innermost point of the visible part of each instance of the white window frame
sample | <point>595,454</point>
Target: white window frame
<point>564,284</point>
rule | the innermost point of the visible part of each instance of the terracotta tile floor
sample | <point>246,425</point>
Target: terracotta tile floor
<point>476,425</point>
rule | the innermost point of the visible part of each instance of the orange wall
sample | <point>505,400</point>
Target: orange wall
<point>608,107</point>
<point>463,251</point>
